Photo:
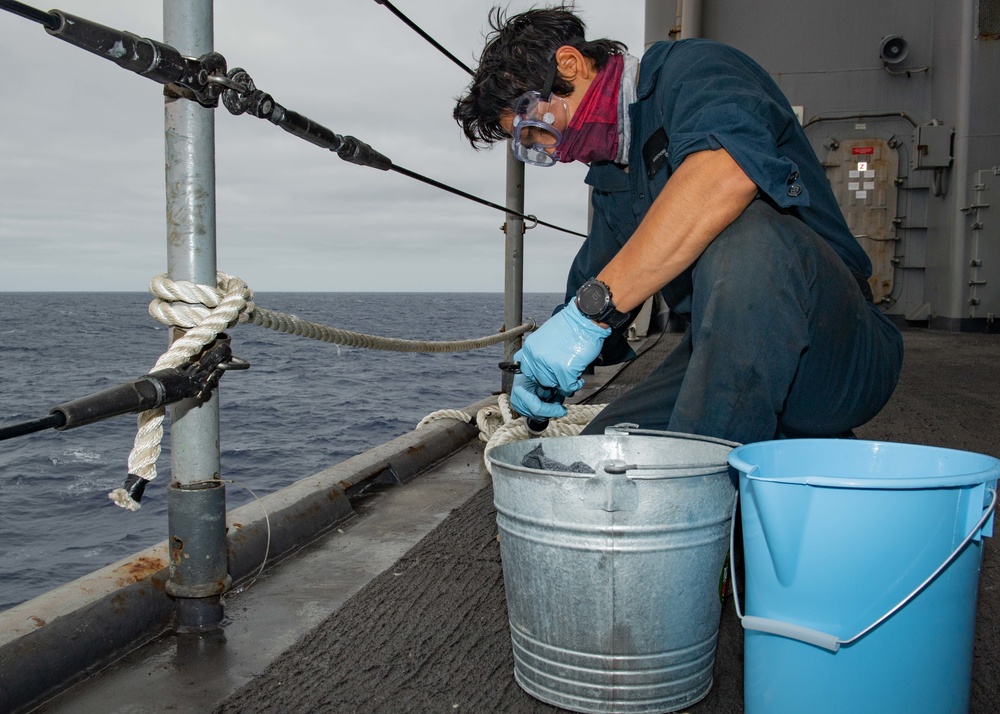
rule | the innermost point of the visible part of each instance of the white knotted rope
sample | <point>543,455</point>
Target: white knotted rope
<point>500,425</point>
<point>224,307</point>
<point>208,311</point>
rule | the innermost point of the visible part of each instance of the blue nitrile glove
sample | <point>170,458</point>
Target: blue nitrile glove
<point>530,399</point>
<point>555,355</point>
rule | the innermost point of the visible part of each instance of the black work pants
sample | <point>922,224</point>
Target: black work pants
<point>782,343</point>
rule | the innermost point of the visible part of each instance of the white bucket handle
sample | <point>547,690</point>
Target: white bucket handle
<point>823,639</point>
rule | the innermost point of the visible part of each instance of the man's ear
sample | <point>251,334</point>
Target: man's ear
<point>573,65</point>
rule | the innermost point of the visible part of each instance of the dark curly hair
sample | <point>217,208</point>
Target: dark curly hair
<point>516,59</point>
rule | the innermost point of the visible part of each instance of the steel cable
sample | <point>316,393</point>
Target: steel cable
<point>30,13</point>
<point>413,26</point>
<point>437,184</point>
<point>204,79</point>
<point>483,201</point>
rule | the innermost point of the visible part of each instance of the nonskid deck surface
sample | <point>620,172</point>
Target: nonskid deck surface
<point>430,632</point>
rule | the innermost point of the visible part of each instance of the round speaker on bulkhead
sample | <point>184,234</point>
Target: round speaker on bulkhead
<point>893,49</point>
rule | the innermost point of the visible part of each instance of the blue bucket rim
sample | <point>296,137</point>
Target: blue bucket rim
<point>752,471</point>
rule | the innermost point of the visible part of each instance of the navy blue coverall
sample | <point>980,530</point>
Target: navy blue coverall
<point>784,340</point>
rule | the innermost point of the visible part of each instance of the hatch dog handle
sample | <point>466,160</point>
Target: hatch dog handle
<point>823,639</point>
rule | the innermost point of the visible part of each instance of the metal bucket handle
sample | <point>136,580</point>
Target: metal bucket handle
<point>634,430</point>
<point>823,639</point>
<point>618,466</point>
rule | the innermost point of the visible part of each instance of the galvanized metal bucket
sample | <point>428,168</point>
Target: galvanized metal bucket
<point>613,578</point>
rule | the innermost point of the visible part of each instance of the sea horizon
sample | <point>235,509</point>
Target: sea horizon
<point>303,406</point>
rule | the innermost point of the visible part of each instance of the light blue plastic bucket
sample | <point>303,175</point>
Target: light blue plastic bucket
<point>862,565</point>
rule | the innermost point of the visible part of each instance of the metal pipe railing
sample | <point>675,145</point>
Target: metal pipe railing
<point>513,298</point>
<point>189,127</point>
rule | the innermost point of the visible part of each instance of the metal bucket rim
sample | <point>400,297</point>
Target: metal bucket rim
<point>624,431</point>
<point>645,475</point>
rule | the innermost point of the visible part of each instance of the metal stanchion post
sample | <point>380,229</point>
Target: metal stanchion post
<point>513,301</point>
<point>196,509</point>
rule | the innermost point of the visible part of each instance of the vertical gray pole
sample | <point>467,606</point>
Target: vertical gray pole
<point>660,18</point>
<point>513,295</point>
<point>190,167</point>
<point>958,293</point>
<point>690,19</point>
<point>196,510</point>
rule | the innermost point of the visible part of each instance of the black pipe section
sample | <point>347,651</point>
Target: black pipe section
<point>305,128</point>
<point>160,62</point>
<point>199,574</point>
<point>358,152</point>
<point>859,115</point>
<point>346,147</point>
<point>164,386</point>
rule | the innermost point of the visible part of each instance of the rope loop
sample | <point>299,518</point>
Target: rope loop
<point>499,424</point>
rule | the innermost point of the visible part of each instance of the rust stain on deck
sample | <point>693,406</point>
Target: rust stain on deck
<point>138,569</point>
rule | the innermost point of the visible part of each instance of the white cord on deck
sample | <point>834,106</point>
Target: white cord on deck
<point>499,424</point>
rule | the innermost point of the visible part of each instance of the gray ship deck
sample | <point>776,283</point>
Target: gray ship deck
<point>402,608</point>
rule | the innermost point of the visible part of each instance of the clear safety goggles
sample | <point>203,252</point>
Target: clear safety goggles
<point>539,120</point>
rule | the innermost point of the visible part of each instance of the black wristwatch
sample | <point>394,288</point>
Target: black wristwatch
<point>594,300</point>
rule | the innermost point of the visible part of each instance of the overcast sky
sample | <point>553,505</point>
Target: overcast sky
<point>81,154</point>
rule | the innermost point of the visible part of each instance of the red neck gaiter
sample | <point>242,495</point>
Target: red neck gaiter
<point>592,134</point>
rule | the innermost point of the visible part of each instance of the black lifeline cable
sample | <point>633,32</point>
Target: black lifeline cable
<point>205,80</point>
<point>463,194</point>
<point>30,13</point>
<point>413,26</point>
<point>398,169</point>
<point>241,96</point>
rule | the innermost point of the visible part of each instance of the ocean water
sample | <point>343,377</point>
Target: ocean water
<point>302,406</point>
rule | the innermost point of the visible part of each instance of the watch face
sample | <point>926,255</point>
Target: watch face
<point>592,298</point>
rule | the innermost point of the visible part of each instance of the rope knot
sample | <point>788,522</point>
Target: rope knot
<point>205,312</point>
<point>179,303</point>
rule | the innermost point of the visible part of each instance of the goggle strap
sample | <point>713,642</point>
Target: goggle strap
<point>550,78</point>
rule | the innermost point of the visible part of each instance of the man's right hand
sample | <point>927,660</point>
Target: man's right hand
<point>553,358</point>
<point>530,399</point>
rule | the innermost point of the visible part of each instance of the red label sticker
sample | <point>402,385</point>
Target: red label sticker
<point>863,150</point>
